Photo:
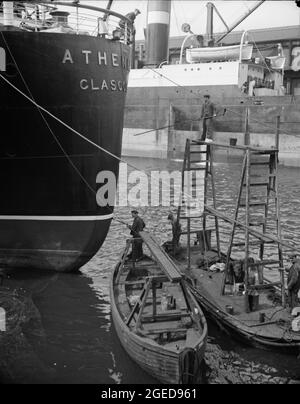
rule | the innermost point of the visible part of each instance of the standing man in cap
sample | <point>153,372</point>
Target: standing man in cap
<point>137,243</point>
<point>176,232</point>
<point>293,281</point>
<point>131,16</point>
<point>208,111</point>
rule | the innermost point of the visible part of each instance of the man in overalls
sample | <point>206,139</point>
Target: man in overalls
<point>293,281</point>
<point>207,113</point>
<point>137,243</point>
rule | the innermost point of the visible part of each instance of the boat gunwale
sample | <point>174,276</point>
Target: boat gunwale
<point>215,311</point>
<point>219,49</point>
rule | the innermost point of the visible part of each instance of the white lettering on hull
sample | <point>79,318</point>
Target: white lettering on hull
<point>57,218</point>
<point>100,58</point>
<point>67,57</point>
<point>103,85</point>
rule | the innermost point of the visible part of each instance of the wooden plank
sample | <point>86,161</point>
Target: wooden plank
<point>197,231</point>
<point>264,237</point>
<point>260,163</point>
<point>264,262</point>
<point>256,203</point>
<point>165,316</point>
<point>264,287</point>
<point>161,331</point>
<point>140,302</point>
<point>259,150</point>
<point>161,257</point>
<point>252,243</point>
<point>234,224</point>
<point>258,184</point>
<point>129,283</point>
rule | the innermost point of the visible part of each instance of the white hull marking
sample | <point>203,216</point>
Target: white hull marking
<point>59,218</point>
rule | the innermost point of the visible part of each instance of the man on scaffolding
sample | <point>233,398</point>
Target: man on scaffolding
<point>173,247</point>
<point>208,112</point>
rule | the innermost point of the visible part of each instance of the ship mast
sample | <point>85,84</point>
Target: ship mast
<point>240,20</point>
<point>158,30</point>
<point>210,22</point>
<point>108,7</point>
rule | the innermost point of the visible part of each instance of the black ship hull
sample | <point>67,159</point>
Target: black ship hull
<point>49,214</point>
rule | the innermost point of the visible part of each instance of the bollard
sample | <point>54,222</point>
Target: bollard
<point>2,320</point>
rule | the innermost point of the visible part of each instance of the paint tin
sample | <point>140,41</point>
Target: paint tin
<point>262,317</point>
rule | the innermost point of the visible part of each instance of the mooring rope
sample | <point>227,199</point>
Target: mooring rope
<point>32,101</point>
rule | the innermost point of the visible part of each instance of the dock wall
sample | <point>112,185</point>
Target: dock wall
<point>160,129</point>
<point>289,146</point>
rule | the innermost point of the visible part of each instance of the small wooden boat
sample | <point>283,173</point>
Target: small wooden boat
<point>244,289</point>
<point>158,321</point>
<point>267,325</point>
<point>221,53</point>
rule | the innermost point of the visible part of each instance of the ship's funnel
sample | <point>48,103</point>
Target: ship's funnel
<point>158,30</point>
<point>8,12</point>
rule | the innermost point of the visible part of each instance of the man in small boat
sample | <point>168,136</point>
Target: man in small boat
<point>208,111</point>
<point>293,281</point>
<point>137,243</point>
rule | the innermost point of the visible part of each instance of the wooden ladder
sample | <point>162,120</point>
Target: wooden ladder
<point>197,174</point>
<point>259,173</point>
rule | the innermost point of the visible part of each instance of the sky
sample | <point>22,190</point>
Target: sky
<point>274,13</point>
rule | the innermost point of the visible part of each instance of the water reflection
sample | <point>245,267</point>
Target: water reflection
<point>80,344</point>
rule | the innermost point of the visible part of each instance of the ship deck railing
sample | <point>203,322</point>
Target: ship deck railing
<point>82,19</point>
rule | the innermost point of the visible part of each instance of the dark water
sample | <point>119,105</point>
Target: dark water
<point>80,344</point>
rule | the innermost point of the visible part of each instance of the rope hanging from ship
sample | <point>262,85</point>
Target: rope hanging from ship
<point>186,120</point>
<point>44,119</point>
<point>285,329</point>
<point>66,155</point>
<point>40,108</point>
<point>101,148</point>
